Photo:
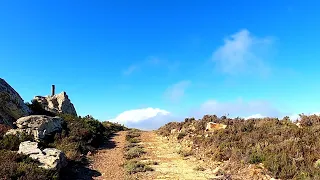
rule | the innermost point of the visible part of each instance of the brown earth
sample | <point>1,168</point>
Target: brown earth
<point>109,159</point>
<point>171,165</point>
<point>164,153</point>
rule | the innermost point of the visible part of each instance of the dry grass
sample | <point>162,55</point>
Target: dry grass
<point>286,151</point>
<point>133,153</point>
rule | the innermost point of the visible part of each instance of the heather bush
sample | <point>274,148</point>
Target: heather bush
<point>17,166</point>
<point>79,135</point>
<point>37,109</point>
<point>113,127</point>
<point>287,151</point>
<point>12,142</point>
<point>3,129</point>
<point>134,152</point>
<point>134,166</point>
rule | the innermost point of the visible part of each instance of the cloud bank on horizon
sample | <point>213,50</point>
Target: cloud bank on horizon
<point>145,118</point>
<point>153,118</point>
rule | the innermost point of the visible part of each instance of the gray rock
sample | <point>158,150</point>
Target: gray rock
<point>39,126</point>
<point>49,158</point>
<point>29,148</point>
<point>12,105</point>
<point>59,103</point>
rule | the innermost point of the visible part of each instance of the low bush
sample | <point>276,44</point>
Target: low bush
<point>12,142</point>
<point>16,166</point>
<point>113,127</point>
<point>134,152</point>
<point>287,151</point>
<point>181,135</point>
<point>37,109</point>
<point>134,166</point>
<point>3,129</point>
<point>79,136</point>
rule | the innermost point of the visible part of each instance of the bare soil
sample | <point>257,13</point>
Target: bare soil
<point>170,164</point>
<point>110,158</point>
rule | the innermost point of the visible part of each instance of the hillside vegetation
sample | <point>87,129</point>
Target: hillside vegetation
<point>280,147</point>
<point>79,136</point>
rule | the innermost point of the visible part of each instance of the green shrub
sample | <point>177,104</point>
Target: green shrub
<point>256,158</point>
<point>37,109</point>
<point>79,135</point>
<point>113,127</point>
<point>17,166</point>
<point>134,152</point>
<point>134,166</point>
<point>181,135</point>
<point>132,136</point>
<point>285,150</point>
<point>12,142</point>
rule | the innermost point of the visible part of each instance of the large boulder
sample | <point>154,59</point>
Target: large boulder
<point>59,103</point>
<point>49,158</point>
<point>12,105</point>
<point>39,126</point>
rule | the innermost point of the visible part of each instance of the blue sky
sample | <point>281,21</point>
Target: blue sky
<point>144,63</point>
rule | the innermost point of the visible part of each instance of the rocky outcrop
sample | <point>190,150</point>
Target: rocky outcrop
<point>12,105</point>
<point>211,126</point>
<point>49,158</point>
<point>59,103</point>
<point>39,126</point>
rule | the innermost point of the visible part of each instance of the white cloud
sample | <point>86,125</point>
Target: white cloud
<point>236,108</point>
<point>175,92</point>
<point>255,116</point>
<point>295,116</point>
<point>146,118</point>
<point>242,52</point>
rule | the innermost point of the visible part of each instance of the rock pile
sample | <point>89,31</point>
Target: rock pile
<point>49,158</point>
<point>12,105</point>
<point>59,103</point>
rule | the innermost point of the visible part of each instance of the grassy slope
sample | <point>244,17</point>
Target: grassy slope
<point>286,151</point>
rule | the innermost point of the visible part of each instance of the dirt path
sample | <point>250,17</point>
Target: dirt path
<point>109,160</point>
<point>171,165</point>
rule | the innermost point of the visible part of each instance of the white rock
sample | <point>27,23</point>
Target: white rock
<point>39,126</point>
<point>211,126</point>
<point>49,158</point>
<point>59,103</point>
<point>29,148</point>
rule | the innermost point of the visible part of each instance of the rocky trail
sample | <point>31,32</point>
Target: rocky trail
<point>170,164</point>
<point>109,159</point>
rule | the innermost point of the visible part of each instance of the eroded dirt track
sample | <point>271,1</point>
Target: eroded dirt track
<point>109,160</point>
<point>171,165</point>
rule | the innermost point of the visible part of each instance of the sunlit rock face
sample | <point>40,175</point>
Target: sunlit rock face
<point>59,103</point>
